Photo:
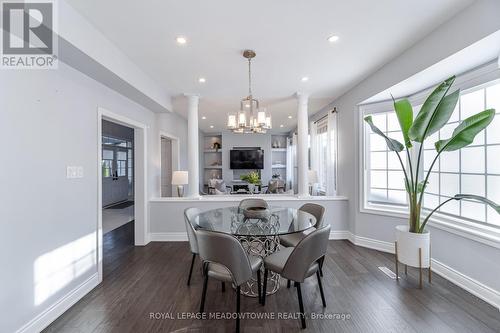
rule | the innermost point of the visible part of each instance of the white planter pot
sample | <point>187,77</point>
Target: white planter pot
<point>251,188</point>
<point>408,245</point>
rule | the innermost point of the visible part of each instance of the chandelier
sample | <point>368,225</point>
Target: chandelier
<point>250,118</point>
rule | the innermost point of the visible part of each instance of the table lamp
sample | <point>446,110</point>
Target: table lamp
<point>180,178</point>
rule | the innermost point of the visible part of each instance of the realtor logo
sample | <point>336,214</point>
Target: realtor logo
<point>28,37</point>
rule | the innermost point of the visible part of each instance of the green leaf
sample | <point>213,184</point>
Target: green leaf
<point>432,115</point>
<point>421,186</point>
<point>393,144</point>
<point>464,134</point>
<point>473,197</point>
<point>404,112</point>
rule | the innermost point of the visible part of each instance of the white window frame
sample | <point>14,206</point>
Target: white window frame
<point>461,226</point>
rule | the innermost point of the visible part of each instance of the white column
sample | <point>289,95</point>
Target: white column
<point>302,156</point>
<point>193,149</point>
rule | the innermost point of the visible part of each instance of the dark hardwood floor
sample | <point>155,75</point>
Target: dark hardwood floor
<point>139,281</point>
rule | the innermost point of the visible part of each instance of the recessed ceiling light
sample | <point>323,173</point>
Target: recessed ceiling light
<point>181,40</point>
<point>203,117</point>
<point>333,38</point>
<point>281,125</point>
<point>290,117</point>
<point>202,80</point>
<point>305,79</point>
<point>211,126</point>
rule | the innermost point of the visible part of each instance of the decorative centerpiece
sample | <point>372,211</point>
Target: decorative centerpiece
<point>252,178</point>
<point>256,213</point>
<point>412,245</point>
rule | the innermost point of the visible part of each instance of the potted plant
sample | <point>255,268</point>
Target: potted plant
<point>252,178</point>
<point>413,240</point>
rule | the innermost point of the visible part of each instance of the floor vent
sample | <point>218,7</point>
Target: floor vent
<point>388,272</point>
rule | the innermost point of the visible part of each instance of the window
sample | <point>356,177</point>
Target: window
<point>474,169</point>
<point>384,175</point>
<point>323,149</point>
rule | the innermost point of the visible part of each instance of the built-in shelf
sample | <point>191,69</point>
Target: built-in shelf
<point>214,167</point>
<point>212,151</point>
<point>275,150</point>
<point>279,166</point>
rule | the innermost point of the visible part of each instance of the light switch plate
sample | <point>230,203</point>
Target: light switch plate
<point>79,172</point>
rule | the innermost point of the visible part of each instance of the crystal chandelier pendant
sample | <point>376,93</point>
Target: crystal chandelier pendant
<point>250,118</point>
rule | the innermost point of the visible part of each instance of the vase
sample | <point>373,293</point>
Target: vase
<point>251,188</point>
<point>413,249</point>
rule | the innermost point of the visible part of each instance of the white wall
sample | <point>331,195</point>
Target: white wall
<point>469,257</point>
<point>48,120</point>
<point>167,219</point>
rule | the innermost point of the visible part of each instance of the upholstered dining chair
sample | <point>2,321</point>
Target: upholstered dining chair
<point>252,203</point>
<point>315,210</point>
<point>225,259</point>
<point>298,263</point>
<point>189,216</point>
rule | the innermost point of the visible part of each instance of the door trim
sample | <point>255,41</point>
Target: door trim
<point>176,165</point>
<point>140,180</point>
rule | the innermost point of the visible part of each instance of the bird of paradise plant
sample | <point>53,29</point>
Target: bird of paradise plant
<point>434,114</point>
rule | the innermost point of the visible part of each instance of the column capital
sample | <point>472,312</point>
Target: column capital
<point>191,96</point>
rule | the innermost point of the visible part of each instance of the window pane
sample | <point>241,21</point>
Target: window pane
<point>397,196</point>
<point>377,142</point>
<point>473,184</point>
<point>396,135</point>
<point>378,195</point>
<point>392,122</point>
<point>433,185</point>
<point>122,155</point>
<point>107,154</point>
<point>378,179</point>
<point>394,161</point>
<point>473,160</point>
<point>431,201</point>
<point>378,160</point>
<point>451,207</point>
<point>449,161</point>
<point>494,159</point>
<point>379,120</point>
<point>493,97</point>
<point>493,130</point>
<point>456,113</point>
<point>429,142</point>
<point>494,188</point>
<point>396,180</point>
<point>473,210</point>
<point>449,184</point>
<point>446,131</point>
<point>429,156</point>
<point>471,103</point>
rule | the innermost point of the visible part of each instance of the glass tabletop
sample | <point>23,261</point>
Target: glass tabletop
<point>232,220</point>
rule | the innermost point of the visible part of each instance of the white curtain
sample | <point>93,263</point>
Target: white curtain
<point>331,169</point>
<point>289,164</point>
<point>314,151</point>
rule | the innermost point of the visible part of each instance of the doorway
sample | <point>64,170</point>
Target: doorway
<point>117,175</point>
<point>133,172</point>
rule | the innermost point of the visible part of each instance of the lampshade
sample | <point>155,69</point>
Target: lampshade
<point>312,176</point>
<point>180,178</point>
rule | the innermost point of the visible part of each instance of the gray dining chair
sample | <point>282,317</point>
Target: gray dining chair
<point>189,216</point>
<point>225,259</point>
<point>298,263</point>
<point>252,203</point>
<point>315,210</point>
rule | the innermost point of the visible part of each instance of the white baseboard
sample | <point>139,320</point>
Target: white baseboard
<point>44,319</point>
<point>473,286</point>
<point>339,234</point>
<point>168,237</point>
<point>371,243</point>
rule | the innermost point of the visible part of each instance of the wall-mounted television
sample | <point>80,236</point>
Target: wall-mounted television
<point>246,159</point>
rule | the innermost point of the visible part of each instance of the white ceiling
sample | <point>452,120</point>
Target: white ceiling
<point>290,38</point>
<point>479,53</point>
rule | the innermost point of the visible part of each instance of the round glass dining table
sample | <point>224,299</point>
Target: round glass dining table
<point>259,236</point>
